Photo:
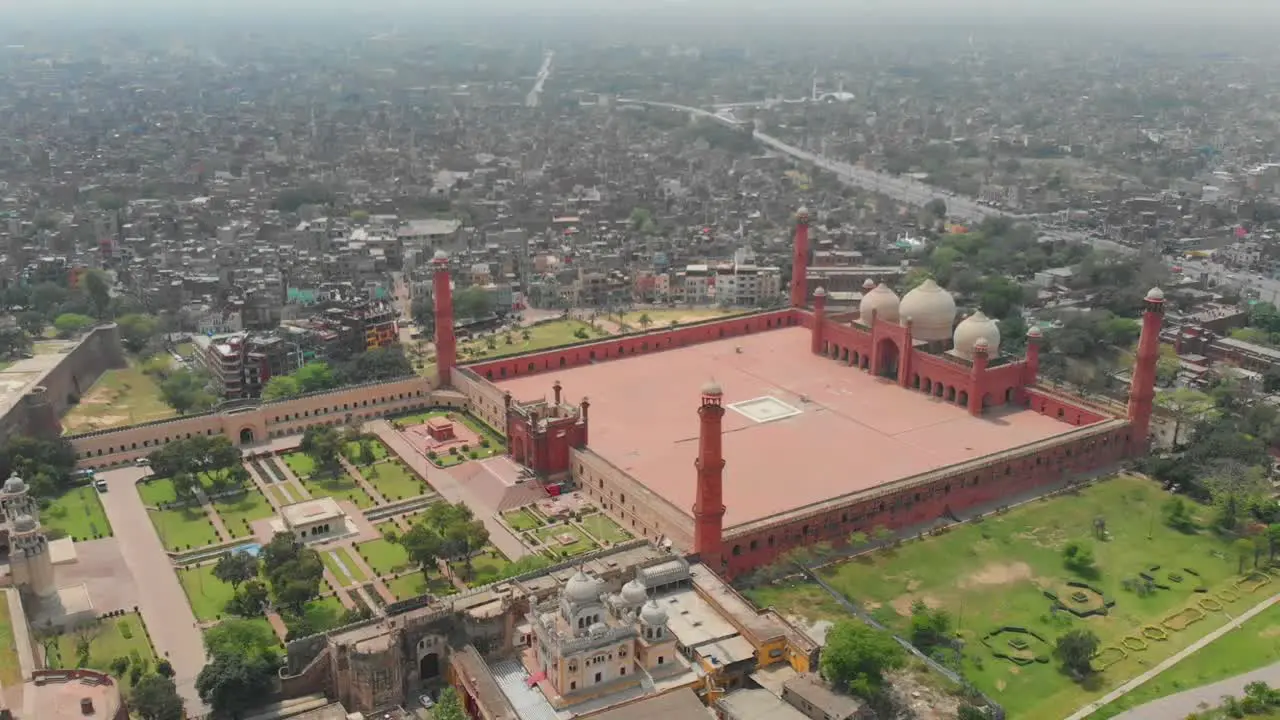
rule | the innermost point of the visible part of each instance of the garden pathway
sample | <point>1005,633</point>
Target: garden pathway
<point>294,483</point>
<point>212,512</point>
<point>1181,655</point>
<point>163,604</point>
<point>1176,706</point>
<point>277,624</point>
<point>358,560</point>
<point>336,585</point>
<point>449,488</point>
<point>263,485</point>
<point>358,476</point>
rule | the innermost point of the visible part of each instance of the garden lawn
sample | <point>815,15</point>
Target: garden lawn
<point>184,528</point>
<point>340,486</point>
<point>521,520</point>
<point>353,575</point>
<point>77,514</point>
<point>604,529</point>
<point>351,451</point>
<point>541,337</point>
<point>157,492</point>
<point>394,480</point>
<point>239,510</point>
<point>278,494</point>
<point>486,566</point>
<point>1253,645</point>
<point>993,573</point>
<point>10,668</point>
<point>122,396</point>
<point>207,594</point>
<point>110,638</point>
<point>324,613</point>
<point>549,536</point>
<point>662,317</point>
<point>300,463</point>
<point>385,558</point>
<point>414,584</point>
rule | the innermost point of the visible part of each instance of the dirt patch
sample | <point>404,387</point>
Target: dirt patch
<point>998,574</point>
<point>913,585</point>
<point>94,423</point>
<point>872,606</point>
<point>902,604</point>
<point>1270,632</point>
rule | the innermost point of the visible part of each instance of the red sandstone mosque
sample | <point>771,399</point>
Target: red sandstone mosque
<point>811,425</point>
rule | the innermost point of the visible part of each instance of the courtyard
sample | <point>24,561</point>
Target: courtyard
<point>475,440</point>
<point>394,480</point>
<point>122,636</point>
<point>122,396</point>
<point>338,485</point>
<point>996,573</point>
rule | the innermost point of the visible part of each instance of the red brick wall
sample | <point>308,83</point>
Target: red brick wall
<point>1062,408</point>
<point>633,344</point>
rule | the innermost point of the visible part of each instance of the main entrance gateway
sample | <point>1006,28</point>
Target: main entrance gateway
<point>765,409</point>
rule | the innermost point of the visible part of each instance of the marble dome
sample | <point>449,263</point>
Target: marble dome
<point>974,328</point>
<point>582,588</point>
<point>634,593</point>
<point>24,523</point>
<point>932,311</point>
<point>882,301</point>
<point>440,256</point>
<point>712,389</point>
<point>652,614</point>
<point>14,485</point>
<point>1155,294</point>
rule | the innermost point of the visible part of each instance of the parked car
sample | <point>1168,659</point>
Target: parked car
<point>426,701</point>
<point>142,462</point>
<point>100,485</point>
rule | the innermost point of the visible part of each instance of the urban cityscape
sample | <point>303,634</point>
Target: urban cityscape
<point>689,360</point>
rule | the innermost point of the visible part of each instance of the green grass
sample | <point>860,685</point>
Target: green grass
<point>77,514</point>
<point>10,668</point>
<point>324,613</point>
<point>185,349</point>
<point>1253,645</point>
<point>157,492</point>
<point>548,536</point>
<point>383,557</point>
<point>123,396</point>
<point>541,337</point>
<point>357,575</point>
<point>351,451</point>
<point>604,529</point>
<point>486,567</point>
<point>521,520</point>
<point>300,463</point>
<point>414,584</point>
<point>206,594</point>
<point>109,639</point>
<point>341,487</point>
<point>240,510</point>
<point>994,573</point>
<point>394,481</point>
<point>278,495</point>
<point>183,528</point>
<point>662,317</point>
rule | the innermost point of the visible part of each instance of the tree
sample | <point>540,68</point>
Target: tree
<point>281,387</point>
<point>97,286</point>
<point>68,324</point>
<point>448,706</point>
<point>14,341</point>
<point>1273,539</point>
<point>882,535</point>
<point>136,330</point>
<point>856,657</point>
<point>33,322</point>
<point>323,445</point>
<point>929,627</point>
<point>242,638</point>
<point>1244,550</point>
<point>1178,516</point>
<point>1075,649</point>
<point>294,571</point>
<point>185,392</point>
<point>1186,406</point>
<point>314,377</point>
<point>1077,556</point>
<point>236,568</point>
<point>424,545</point>
<point>970,712</point>
<point>250,600</point>
<point>473,302</point>
<point>937,207</point>
<point>645,321</point>
<point>155,697</point>
<point>232,684</point>
<point>46,464</point>
<point>423,311</point>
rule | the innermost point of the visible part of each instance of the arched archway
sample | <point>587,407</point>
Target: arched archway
<point>429,666</point>
<point>246,436</point>
<point>963,398</point>
<point>887,359</point>
<point>951,393</point>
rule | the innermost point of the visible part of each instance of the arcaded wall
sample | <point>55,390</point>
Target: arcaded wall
<point>486,400</point>
<point>636,508</point>
<point>931,497</point>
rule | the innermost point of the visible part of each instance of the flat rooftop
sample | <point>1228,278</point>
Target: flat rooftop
<point>808,429</point>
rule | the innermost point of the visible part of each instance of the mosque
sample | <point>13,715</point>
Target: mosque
<point>741,438</point>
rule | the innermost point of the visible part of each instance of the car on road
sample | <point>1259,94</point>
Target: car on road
<point>426,701</point>
<point>142,462</point>
<point>100,485</point>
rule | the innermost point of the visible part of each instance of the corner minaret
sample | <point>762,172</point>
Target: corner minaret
<point>800,260</point>
<point>708,507</point>
<point>819,318</point>
<point>446,342</point>
<point>1142,389</point>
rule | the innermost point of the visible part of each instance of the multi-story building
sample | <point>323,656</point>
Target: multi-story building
<point>240,364</point>
<point>729,283</point>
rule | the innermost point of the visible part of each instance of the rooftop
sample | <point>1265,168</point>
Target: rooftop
<point>311,511</point>
<point>827,428</point>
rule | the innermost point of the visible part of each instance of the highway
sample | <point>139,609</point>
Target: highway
<point>906,190</point>
<point>544,72</point>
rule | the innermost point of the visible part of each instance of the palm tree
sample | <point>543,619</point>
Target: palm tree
<point>525,334</point>
<point>645,321</point>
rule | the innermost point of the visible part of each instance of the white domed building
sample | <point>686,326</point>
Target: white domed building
<point>30,561</point>
<point>879,302</point>
<point>931,310</point>
<point>972,330</point>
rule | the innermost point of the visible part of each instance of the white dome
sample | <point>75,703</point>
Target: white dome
<point>634,593</point>
<point>1155,294</point>
<point>712,389</point>
<point>932,311</point>
<point>440,256</point>
<point>882,301</point>
<point>24,523</point>
<point>974,328</point>
<point>582,588</point>
<point>651,614</point>
<point>14,485</point>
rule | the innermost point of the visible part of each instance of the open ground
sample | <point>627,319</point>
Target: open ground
<point>123,396</point>
<point>995,573</point>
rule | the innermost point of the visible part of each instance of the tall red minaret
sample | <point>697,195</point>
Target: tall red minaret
<point>446,342</point>
<point>708,507</point>
<point>1142,390</point>
<point>800,260</point>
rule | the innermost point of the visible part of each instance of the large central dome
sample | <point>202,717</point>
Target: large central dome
<point>932,312</point>
<point>974,328</point>
<point>879,300</point>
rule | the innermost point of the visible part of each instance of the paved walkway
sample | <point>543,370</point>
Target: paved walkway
<point>1203,697</point>
<point>1196,696</point>
<point>449,488</point>
<point>162,602</point>
<point>292,481</point>
<point>368,487</point>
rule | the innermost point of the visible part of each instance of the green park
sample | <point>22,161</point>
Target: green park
<point>336,484</point>
<point>110,640</point>
<point>1103,558</point>
<point>77,514</point>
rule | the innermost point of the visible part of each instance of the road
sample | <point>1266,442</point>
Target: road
<point>544,72</point>
<point>162,602</point>
<point>1179,705</point>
